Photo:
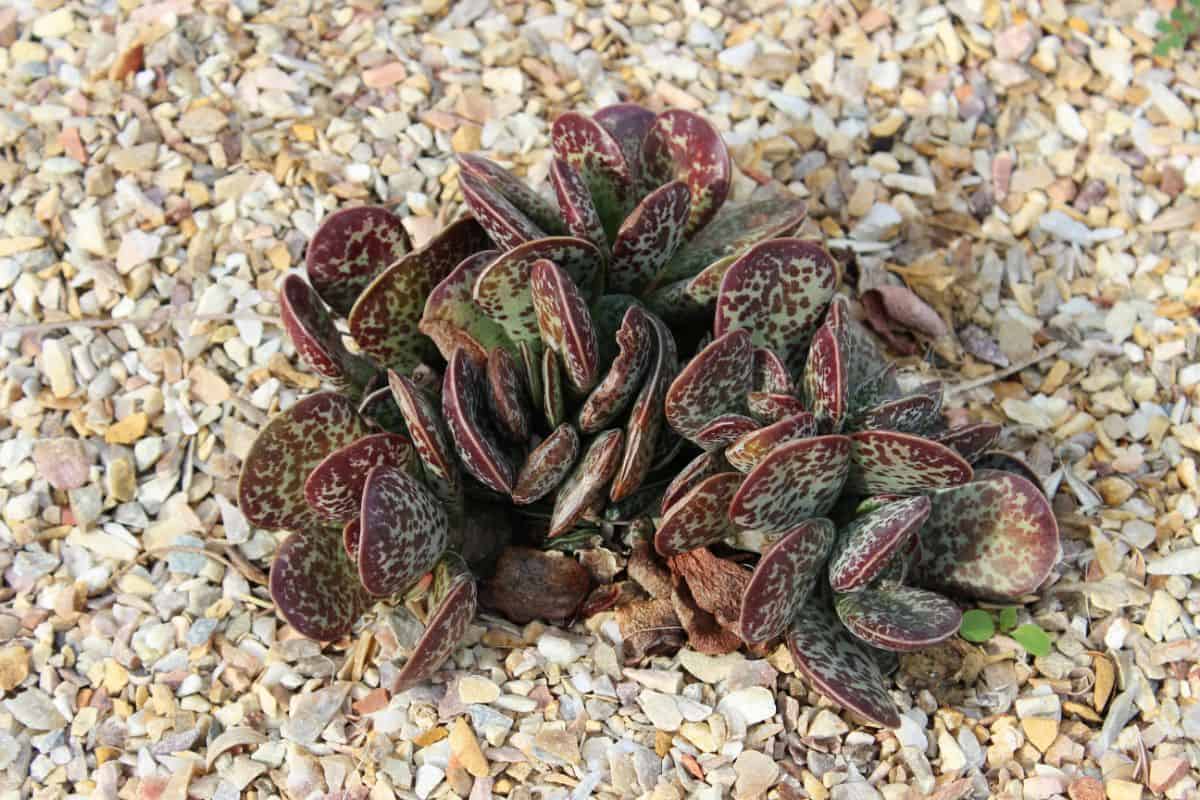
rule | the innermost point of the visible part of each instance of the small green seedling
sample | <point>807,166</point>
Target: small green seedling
<point>1178,28</point>
<point>979,625</point>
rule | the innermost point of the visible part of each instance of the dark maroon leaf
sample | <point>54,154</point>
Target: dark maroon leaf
<point>531,584</point>
<point>565,323</point>
<point>464,407</point>
<point>430,439</point>
<point>403,531</point>
<point>996,460</point>
<point>628,123</point>
<point>334,487</point>
<point>783,579</point>
<point>595,154</point>
<point>546,465</point>
<point>379,408</point>
<point>350,533</point>
<point>796,481</point>
<point>869,542</point>
<point>624,377</point>
<point>349,249</point>
<point>899,618</point>
<point>701,467</point>
<point>917,413</point>
<point>771,408</point>
<point>887,462</point>
<point>316,338</point>
<point>826,382</point>
<point>645,425</point>
<point>588,483</point>
<point>553,398</point>
<point>724,430</point>
<point>538,209</point>
<point>444,629</point>
<point>505,224</point>
<point>314,586</point>
<point>649,237</point>
<point>700,517</point>
<point>970,441</point>
<point>713,383</point>
<point>753,447</point>
<point>578,210</point>
<point>685,146</point>
<point>451,318</point>
<point>771,375</point>
<point>507,398</point>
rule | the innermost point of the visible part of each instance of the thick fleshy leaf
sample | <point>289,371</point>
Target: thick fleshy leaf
<point>553,393</point>
<point>644,428</point>
<point>531,584</point>
<point>502,290</point>
<point>507,398</point>
<point>796,481</point>
<point>994,538</point>
<point>736,227</point>
<point>537,208</point>
<point>970,441</point>
<point>349,249</point>
<point>588,147</point>
<point>783,579</point>
<point>625,375</point>
<point>628,123</point>
<point>315,337</point>
<point>698,469</point>
<point>999,461</point>
<point>334,488</point>
<point>700,517</point>
<point>871,378</point>
<point>271,486</point>
<point>868,543</point>
<point>899,618</point>
<point>689,299</point>
<point>350,533</point>
<point>717,584</point>
<point>771,375</point>
<point>430,439</point>
<point>464,407</point>
<point>578,210</point>
<point>588,482</point>
<point>685,146</point>
<point>565,323</point>
<point>314,586</point>
<point>771,408</point>
<point>648,238</point>
<point>826,383</point>
<point>451,318</point>
<point>608,314</point>
<point>724,430</point>
<point>917,413</point>
<point>778,291</point>
<point>386,317</point>
<point>887,462</point>
<point>713,383</point>
<point>529,353</point>
<point>753,447</point>
<point>840,666</point>
<point>547,465</point>
<point>444,629</point>
<point>403,532</point>
<point>505,224</point>
<point>379,409</point>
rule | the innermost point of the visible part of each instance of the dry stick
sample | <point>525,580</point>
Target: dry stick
<point>1041,355</point>
<point>199,551</point>
<point>153,319</point>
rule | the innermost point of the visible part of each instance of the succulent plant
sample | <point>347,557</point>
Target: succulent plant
<point>518,378</point>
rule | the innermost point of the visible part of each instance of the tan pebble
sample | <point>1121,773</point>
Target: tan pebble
<point>465,748</point>
<point>128,430</point>
<point>1165,772</point>
<point>1055,377</point>
<point>466,139</point>
<point>56,364</point>
<point>119,480</point>
<point>14,667</point>
<point>1041,731</point>
<point>1122,790</point>
<point>207,386</point>
<point>1086,789</point>
<point>1114,489</point>
<point>430,736</point>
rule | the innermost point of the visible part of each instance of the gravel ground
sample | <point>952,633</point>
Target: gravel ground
<point>1027,169</point>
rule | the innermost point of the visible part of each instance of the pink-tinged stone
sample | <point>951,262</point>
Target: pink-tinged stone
<point>1164,772</point>
<point>1016,43</point>
<point>383,76</point>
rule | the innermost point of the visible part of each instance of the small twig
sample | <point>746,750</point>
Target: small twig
<point>154,319</point>
<point>199,551</point>
<point>1041,355</point>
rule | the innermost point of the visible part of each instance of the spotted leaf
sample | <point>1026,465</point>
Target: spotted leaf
<point>547,465</point>
<point>970,441</point>
<point>451,318</point>
<point>698,469</point>
<point>994,538</point>
<point>826,383</point>
<point>507,397</point>
<point>553,397</point>
<point>379,409</point>
<point>999,461</point>
<point>685,146</point>
<point>578,210</point>
<point>649,237</point>
<point>918,413</point>
<point>349,249</point>
<point>795,481</point>
<point>271,486</point>
<point>769,408</point>
<point>588,147</point>
<point>464,407</point>
<point>724,430</point>
<point>871,378</point>
<point>644,428</point>
<point>700,517</point>
<point>628,123</point>
<point>899,618</point>
<point>314,586</point>
<point>334,487</point>
<point>403,534</point>
<point>587,484</point>
<point>430,439</point>
<point>350,534</point>
<point>316,338</point>
<point>565,323</point>
<point>771,375</point>
<point>690,298</point>
<point>868,543</point>
<point>840,666</point>
<point>783,579</point>
<point>624,376</point>
<point>506,225</point>
<point>713,383</point>
<point>887,462</point>
<point>444,629</point>
<point>754,446</point>
<point>537,208</point>
<point>778,291</point>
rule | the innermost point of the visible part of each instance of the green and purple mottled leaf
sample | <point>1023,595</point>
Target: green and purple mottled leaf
<point>870,376</point>
<point>999,461</point>
<point>588,483</point>
<point>430,439</point>
<point>700,517</point>
<point>502,290</point>
<point>690,298</point>
<point>334,487</point>
<point>778,291</point>
<point>553,394</point>
<point>314,586</point>
<point>783,579</point>
<point>451,318</point>
<point>899,618</point>
<point>350,248</point>
<point>529,353</point>
<point>887,462</point>
<point>507,397</point>
<point>648,238</point>
<point>625,375</point>
<point>385,320</point>
<point>771,375</point>
<point>443,631</point>
<point>700,468</point>
<point>868,543</point>
<point>684,146</point>
<point>565,323</point>
<point>537,208</point>
<point>547,465</point>
<point>795,481</point>
<point>379,409</point>
<point>753,447</point>
<point>917,413</point>
<point>826,383</point>
<point>315,337</point>
<point>771,408</point>
<point>628,123</point>
<point>644,429</point>
<point>506,225</point>
<point>840,666</point>
<point>464,407</point>
<point>578,210</point>
<point>724,430</point>
<point>608,314</point>
<point>350,533</point>
<point>271,486</point>
<point>995,539</point>
<point>736,227</point>
<point>713,383</point>
<point>403,531</point>
<point>588,147</point>
<point>972,440</point>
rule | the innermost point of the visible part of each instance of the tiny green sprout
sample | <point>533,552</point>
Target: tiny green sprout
<point>977,626</point>
<point>1178,29</point>
<point>1035,640</point>
<point>1008,619</point>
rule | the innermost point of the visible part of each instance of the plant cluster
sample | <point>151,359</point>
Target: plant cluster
<point>639,363</point>
<point>1178,27</point>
